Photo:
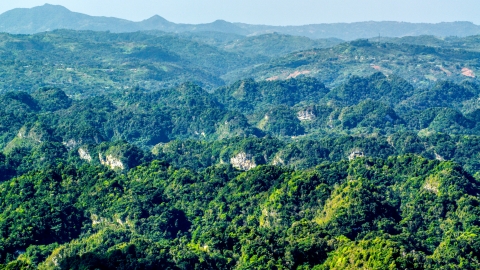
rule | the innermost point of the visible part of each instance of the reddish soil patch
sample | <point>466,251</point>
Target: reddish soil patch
<point>468,72</point>
<point>274,78</point>
<point>297,73</point>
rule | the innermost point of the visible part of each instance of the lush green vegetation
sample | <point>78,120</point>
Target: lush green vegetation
<point>370,112</point>
<point>399,212</point>
<point>370,172</point>
<point>84,188</point>
<point>453,42</point>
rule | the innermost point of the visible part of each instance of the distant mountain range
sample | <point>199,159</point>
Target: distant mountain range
<point>50,17</point>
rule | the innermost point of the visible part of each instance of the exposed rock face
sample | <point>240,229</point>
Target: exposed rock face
<point>298,73</point>
<point>70,144</point>
<point>306,115</point>
<point>278,161</point>
<point>438,157</point>
<point>356,154</point>
<point>468,72</point>
<point>269,218</point>
<point>32,134</point>
<point>243,161</point>
<point>97,220</point>
<point>83,153</point>
<point>111,162</point>
<point>22,133</point>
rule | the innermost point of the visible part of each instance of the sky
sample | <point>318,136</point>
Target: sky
<point>271,12</point>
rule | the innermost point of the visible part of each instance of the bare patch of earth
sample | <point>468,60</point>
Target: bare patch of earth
<point>468,72</point>
<point>298,73</point>
<point>274,78</point>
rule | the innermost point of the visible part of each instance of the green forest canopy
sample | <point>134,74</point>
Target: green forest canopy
<point>373,171</point>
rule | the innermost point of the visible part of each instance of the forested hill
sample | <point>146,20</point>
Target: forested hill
<point>373,113</point>
<point>400,213</point>
<point>53,17</point>
<point>85,63</point>
<point>186,179</point>
<point>419,64</point>
<point>82,190</point>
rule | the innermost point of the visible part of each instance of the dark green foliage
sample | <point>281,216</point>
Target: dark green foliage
<point>274,45</point>
<point>307,153</point>
<point>51,99</point>
<point>281,121</point>
<point>19,101</point>
<point>39,222</point>
<point>247,95</point>
<point>390,90</point>
<point>156,216</point>
<point>85,63</point>
<point>441,120</point>
<point>369,114</point>
<point>47,124</point>
<point>155,53</point>
<point>443,94</point>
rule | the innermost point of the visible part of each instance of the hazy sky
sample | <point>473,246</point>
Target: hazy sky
<point>273,12</point>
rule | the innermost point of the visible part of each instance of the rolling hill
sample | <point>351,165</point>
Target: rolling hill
<point>419,64</point>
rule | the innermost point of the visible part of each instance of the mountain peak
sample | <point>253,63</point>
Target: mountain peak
<point>156,19</point>
<point>221,21</point>
<point>50,7</point>
<point>156,22</point>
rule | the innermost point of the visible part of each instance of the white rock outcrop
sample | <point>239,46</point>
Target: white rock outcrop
<point>84,154</point>
<point>356,154</point>
<point>278,161</point>
<point>243,161</point>
<point>70,144</point>
<point>111,162</point>
<point>306,115</point>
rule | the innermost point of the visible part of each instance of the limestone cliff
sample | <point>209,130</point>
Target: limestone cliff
<point>111,162</point>
<point>243,161</point>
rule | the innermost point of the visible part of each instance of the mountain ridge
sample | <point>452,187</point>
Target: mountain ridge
<point>51,17</point>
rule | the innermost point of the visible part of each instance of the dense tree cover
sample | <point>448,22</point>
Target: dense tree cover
<point>307,153</point>
<point>248,96</point>
<point>377,87</point>
<point>274,45</point>
<point>269,44</point>
<point>145,119</point>
<point>399,212</point>
<point>47,125</point>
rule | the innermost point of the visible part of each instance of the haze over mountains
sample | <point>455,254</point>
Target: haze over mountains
<point>50,17</point>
